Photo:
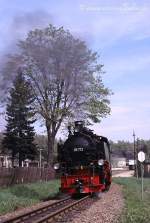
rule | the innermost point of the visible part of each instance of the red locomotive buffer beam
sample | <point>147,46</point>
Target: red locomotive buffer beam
<point>81,184</point>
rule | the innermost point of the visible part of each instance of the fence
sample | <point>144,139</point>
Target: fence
<point>18,175</point>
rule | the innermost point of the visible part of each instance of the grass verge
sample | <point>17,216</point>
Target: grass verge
<point>24,195</point>
<point>136,210</point>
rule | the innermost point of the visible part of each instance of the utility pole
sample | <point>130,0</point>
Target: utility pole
<point>137,150</point>
<point>135,173</point>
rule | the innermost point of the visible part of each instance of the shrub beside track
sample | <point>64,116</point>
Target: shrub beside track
<point>49,212</point>
<point>13,198</point>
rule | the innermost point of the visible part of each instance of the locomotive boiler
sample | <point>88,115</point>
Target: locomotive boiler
<point>84,162</point>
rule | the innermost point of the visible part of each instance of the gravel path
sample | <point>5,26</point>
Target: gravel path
<point>126,173</point>
<point>107,209</point>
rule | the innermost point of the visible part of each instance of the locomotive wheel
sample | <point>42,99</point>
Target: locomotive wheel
<point>107,186</point>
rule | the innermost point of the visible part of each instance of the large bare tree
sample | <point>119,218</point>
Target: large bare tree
<point>65,76</point>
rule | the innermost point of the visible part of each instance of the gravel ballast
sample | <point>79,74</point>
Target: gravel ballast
<point>106,209</point>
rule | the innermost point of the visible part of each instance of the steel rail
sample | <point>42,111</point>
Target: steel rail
<point>65,209</point>
<point>21,217</point>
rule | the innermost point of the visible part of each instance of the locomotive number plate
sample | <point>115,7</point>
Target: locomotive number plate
<point>78,149</point>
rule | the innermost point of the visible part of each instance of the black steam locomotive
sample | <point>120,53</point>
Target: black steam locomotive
<point>84,162</point>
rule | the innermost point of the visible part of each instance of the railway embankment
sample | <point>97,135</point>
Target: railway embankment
<point>25,195</point>
<point>135,210</point>
<point>106,209</point>
<point>121,204</point>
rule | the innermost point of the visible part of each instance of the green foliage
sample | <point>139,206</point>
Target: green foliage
<point>19,135</point>
<point>26,195</point>
<point>126,148</point>
<point>135,209</point>
<point>70,76</point>
<point>97,104</point>
<point>121,145</point>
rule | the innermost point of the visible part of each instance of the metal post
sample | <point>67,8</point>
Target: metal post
<point>135,173</point>
<point>142,181</point>
<point>141,158</point>
<point>136,152</point>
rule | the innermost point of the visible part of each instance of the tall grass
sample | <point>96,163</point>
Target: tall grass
<point>24,195</point>
<point>136,209</point>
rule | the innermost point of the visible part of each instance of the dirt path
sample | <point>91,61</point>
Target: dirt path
<point>125,173</point>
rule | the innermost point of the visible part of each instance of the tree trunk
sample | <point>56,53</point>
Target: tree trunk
<point>12,159</point>
<point>51,141</point>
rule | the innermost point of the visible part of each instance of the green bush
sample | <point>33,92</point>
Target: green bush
<point>15,197</point>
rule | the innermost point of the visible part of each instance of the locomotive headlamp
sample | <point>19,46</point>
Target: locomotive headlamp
<point>56,166</point>
<point>76,129</point>
<point>101,162</point>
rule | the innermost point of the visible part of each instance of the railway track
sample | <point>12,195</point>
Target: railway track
<point>48,213</point>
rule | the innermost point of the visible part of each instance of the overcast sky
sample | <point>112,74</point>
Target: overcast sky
<point>118,30</point>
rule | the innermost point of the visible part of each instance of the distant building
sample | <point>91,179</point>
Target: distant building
<point>5,161</point>
<point>118,162</point>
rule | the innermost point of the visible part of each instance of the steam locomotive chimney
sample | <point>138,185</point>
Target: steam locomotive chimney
<point>69,130</point>
<point>78,126</point>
